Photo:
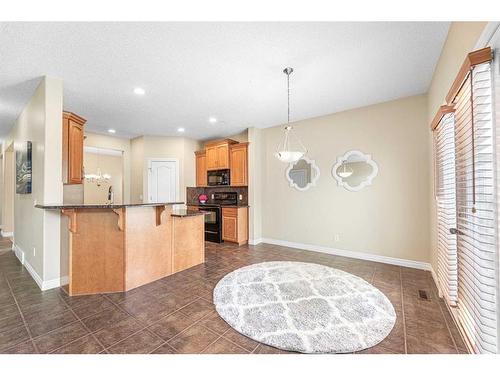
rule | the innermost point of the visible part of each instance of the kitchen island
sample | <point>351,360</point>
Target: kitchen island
<point>118,247</point>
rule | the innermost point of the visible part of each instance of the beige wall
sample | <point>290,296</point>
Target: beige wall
<point>461,40</point>
<point>94,193</point>
<point>256,164</point>
<point>8,190</point>
<point>136,169</point>
<point>37,232</point>
<point>150,147</point>
<point>389,218</point>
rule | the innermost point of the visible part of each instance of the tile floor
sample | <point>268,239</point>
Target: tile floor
<point>176,314</point>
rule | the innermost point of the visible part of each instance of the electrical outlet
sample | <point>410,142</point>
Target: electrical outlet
<point>34,252</point>
<point>212,196</point>
<point>241,197</point>
<point>337,237</point>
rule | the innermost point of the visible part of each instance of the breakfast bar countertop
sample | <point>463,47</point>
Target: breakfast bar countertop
<point>58,206</point>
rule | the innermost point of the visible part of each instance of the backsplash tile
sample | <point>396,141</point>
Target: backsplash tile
<point>192,193</point>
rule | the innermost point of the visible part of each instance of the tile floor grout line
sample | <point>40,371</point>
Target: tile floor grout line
<point>232,342</point>
<point>69,343</point>
<point>22,315</point>
<point>147,326</point>
<point>82,323</point>
<point>448,327</point>
<point>133,334</point>
<point>403,309</point>
<point>206,347</point>
<point>162,345</point>
<point>144,325</point>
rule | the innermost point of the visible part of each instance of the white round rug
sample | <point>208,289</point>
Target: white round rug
<point>304,307</point>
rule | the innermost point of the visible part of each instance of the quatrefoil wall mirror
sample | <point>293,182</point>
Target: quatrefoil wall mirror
<point>354,170</point>
<point>302,174</point>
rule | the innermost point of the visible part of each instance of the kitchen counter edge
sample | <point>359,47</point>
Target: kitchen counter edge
<point>110,206</point>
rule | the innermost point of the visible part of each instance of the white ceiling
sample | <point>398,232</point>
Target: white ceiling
<point>232,71</point>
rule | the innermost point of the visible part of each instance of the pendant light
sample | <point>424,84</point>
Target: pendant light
<point>290,149</point>
<point>344,173</point>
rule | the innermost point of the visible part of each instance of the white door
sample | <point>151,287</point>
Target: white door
<point>163,177</point>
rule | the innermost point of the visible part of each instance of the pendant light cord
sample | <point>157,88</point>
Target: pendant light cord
<point>288,93</point>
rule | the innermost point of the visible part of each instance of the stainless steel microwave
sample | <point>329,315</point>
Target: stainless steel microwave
<point>218,178</point>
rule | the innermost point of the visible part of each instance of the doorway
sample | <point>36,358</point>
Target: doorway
<point>104,175</point>
<point>163,180</point>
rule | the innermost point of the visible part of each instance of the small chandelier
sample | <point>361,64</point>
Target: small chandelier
<point>97,178</point>
<point>290,149</point>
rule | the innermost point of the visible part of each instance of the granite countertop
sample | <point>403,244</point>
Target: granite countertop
<point>187,213</point>
<point>57,206</point>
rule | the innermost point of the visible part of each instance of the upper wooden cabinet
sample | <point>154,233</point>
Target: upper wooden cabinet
<point>201,168</point>
<point>218,154</point>
<point>238,156</point>
<point>223,154</point>
<point>72,142</point>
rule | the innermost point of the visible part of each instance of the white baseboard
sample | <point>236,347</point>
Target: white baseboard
<point>255,241</point>
<point>351,254</point>
<point>42,284</point>
<point>435,278</point>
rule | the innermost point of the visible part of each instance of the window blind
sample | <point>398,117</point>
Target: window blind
<point>476,210</point>
<point>444,146</point>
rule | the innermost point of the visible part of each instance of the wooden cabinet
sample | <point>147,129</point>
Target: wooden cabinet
<point>72,160</point>
<point>238,157</point>
<point>235,224</point>
<point>217,154</point>
<point>201,168</point>
<point>223,156</point>
<point>211,158</point>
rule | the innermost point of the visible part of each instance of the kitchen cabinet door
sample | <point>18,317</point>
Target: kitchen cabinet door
<point>201,169</point>
<point>239,164</point>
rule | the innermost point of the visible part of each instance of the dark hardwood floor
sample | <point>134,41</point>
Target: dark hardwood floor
<point>176,314</point>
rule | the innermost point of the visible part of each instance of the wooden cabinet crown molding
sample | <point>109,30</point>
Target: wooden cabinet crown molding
<point>74,117</point>
<point>217,142</point>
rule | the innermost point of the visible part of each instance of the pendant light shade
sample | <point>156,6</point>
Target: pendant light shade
<point>290,149</point>
<point>344,173</point>
<point>287,154</point>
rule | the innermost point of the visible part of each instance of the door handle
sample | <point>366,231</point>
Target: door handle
<point>456,231</point>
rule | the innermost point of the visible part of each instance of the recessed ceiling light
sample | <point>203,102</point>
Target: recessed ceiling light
<point>139,91</point>
<point>212,120</point>
<point>112,131</point>
<point>181,130</point>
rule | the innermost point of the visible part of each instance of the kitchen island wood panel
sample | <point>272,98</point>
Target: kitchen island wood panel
<point>115,248</point>
<point>148,249</point>
<point>96,258</point>
<point>189,242</point>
